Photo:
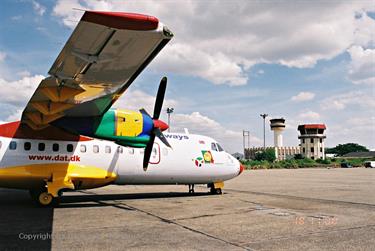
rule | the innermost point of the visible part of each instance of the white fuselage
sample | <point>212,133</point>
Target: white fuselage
<point>183,164</point>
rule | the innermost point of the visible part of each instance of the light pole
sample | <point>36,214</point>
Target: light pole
<point>169,111</point>
<point>244,135</point>
<point>264,130</point>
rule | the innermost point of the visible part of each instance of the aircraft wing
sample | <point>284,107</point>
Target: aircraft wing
<point>103,56</point>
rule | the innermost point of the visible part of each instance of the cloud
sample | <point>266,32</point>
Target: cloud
<point>357,129</point>
<point>38,8</point>
<point>15,116</point>
<point>362,66</point>
<point>195,122</point>
<point>309,116</point>
<point>2,56</point>
<point>18,93</point>
<point>201,124</point>
<point>216,67</point>
<point>355,98</point>
<point>303,96</point>
<point>220,41</point>
<point>136,99</point>
<point>16,18</point>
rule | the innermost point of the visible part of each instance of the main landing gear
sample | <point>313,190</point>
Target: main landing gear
<point>42,198</point>
<point>191,188</point>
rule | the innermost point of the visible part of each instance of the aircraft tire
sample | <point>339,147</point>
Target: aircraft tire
<point>216,190</point>
<point>43,199</point>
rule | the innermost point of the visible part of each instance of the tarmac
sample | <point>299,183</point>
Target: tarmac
<point>301,209</point>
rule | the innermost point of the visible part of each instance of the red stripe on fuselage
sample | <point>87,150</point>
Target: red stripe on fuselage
<point>22,131</point>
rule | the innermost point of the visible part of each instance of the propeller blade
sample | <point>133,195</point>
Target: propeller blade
<point>148,152</point>
<point>160,98</point>
<point>143,111</point>
<point>161,136</point>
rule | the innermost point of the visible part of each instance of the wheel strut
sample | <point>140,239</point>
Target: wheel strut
<point>42,198</point>
<point>191,188</point>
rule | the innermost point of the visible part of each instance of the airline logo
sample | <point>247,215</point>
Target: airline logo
<point>74,158</point>
<point>199,161</point>
<point>206,158</point>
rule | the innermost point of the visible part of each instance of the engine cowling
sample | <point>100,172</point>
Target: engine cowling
<point>125,127</point>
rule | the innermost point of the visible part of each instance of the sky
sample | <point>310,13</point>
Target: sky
<point>229,61</point>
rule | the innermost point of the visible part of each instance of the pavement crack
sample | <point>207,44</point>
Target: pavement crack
<point>187,227</point>
<point>165,220</point>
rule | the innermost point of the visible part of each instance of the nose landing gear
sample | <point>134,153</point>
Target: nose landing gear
<point>216,188</point>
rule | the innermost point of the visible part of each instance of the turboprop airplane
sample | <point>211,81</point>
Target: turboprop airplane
<point>69,137</point>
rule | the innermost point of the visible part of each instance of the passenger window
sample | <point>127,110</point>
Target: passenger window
<point>69,148</point>
<point>83,148</point>
<point>96,148</point>
<point>107,149</point>
<point>131,150</point>
<point>13,145</point>
<point>41,146</point>
<point>27,146</point>
<point>220,148</point>
<point>120,149</point>
<point>55,147</point>
<point>213,147</point>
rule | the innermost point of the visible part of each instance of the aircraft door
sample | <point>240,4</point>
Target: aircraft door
<point>155,154</point>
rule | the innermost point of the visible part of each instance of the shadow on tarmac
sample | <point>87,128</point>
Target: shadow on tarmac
<point>22,224</point>
<point>102,200</point>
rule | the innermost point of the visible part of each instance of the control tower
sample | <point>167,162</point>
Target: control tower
<point>278,126</point>
<point>312,140</point>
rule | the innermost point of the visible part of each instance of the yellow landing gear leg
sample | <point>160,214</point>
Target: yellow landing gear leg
<point>216,188</point>
<point>42,198</point>
<point>49,195</point>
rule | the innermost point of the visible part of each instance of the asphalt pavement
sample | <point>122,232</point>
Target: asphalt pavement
<point>302,209</point>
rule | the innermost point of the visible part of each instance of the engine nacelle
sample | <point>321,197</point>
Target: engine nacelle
<point>125,127</point>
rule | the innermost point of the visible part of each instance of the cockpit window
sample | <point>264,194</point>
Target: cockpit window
<point>220,148</point>
<point>213,147</point>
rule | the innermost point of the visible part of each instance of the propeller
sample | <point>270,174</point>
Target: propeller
<point>158,125</point>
